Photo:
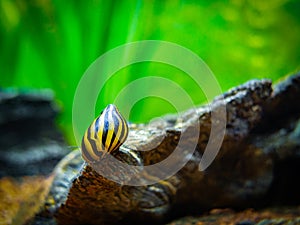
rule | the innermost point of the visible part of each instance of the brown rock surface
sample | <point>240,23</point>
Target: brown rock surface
<point>255,166</point>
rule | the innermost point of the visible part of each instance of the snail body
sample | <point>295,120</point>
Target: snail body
<point>105,135</point>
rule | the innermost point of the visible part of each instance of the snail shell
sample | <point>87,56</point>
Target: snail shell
<point>105,135</point>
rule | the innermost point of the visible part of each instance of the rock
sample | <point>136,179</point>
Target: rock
<point>261,139</point>
<point>30,143</point>
<point>21,199</point>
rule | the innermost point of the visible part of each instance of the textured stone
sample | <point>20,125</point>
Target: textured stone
<point>260,147</point>
<point>30,143</point>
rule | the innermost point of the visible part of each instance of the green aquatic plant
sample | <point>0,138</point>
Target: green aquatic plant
<point>50,43</point>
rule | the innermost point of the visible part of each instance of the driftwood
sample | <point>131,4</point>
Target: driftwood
<point>260,149</point>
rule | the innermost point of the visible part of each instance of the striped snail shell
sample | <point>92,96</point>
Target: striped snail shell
<point>105,135</point>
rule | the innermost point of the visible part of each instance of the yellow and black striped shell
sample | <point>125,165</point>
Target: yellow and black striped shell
<point>105,135</point>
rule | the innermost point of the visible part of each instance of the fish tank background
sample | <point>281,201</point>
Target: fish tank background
<point>49,44</point>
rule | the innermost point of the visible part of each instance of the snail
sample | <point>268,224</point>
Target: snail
<point>105,135</point>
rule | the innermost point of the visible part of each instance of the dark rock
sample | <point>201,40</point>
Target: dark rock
<point>245,173</point>
<point>30,143</point>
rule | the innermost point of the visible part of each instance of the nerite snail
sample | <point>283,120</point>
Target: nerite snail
<point>105,135</point>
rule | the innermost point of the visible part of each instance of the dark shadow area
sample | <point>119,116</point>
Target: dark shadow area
<point>286,184</point>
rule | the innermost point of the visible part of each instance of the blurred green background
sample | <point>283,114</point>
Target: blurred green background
<point>50,44</point>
